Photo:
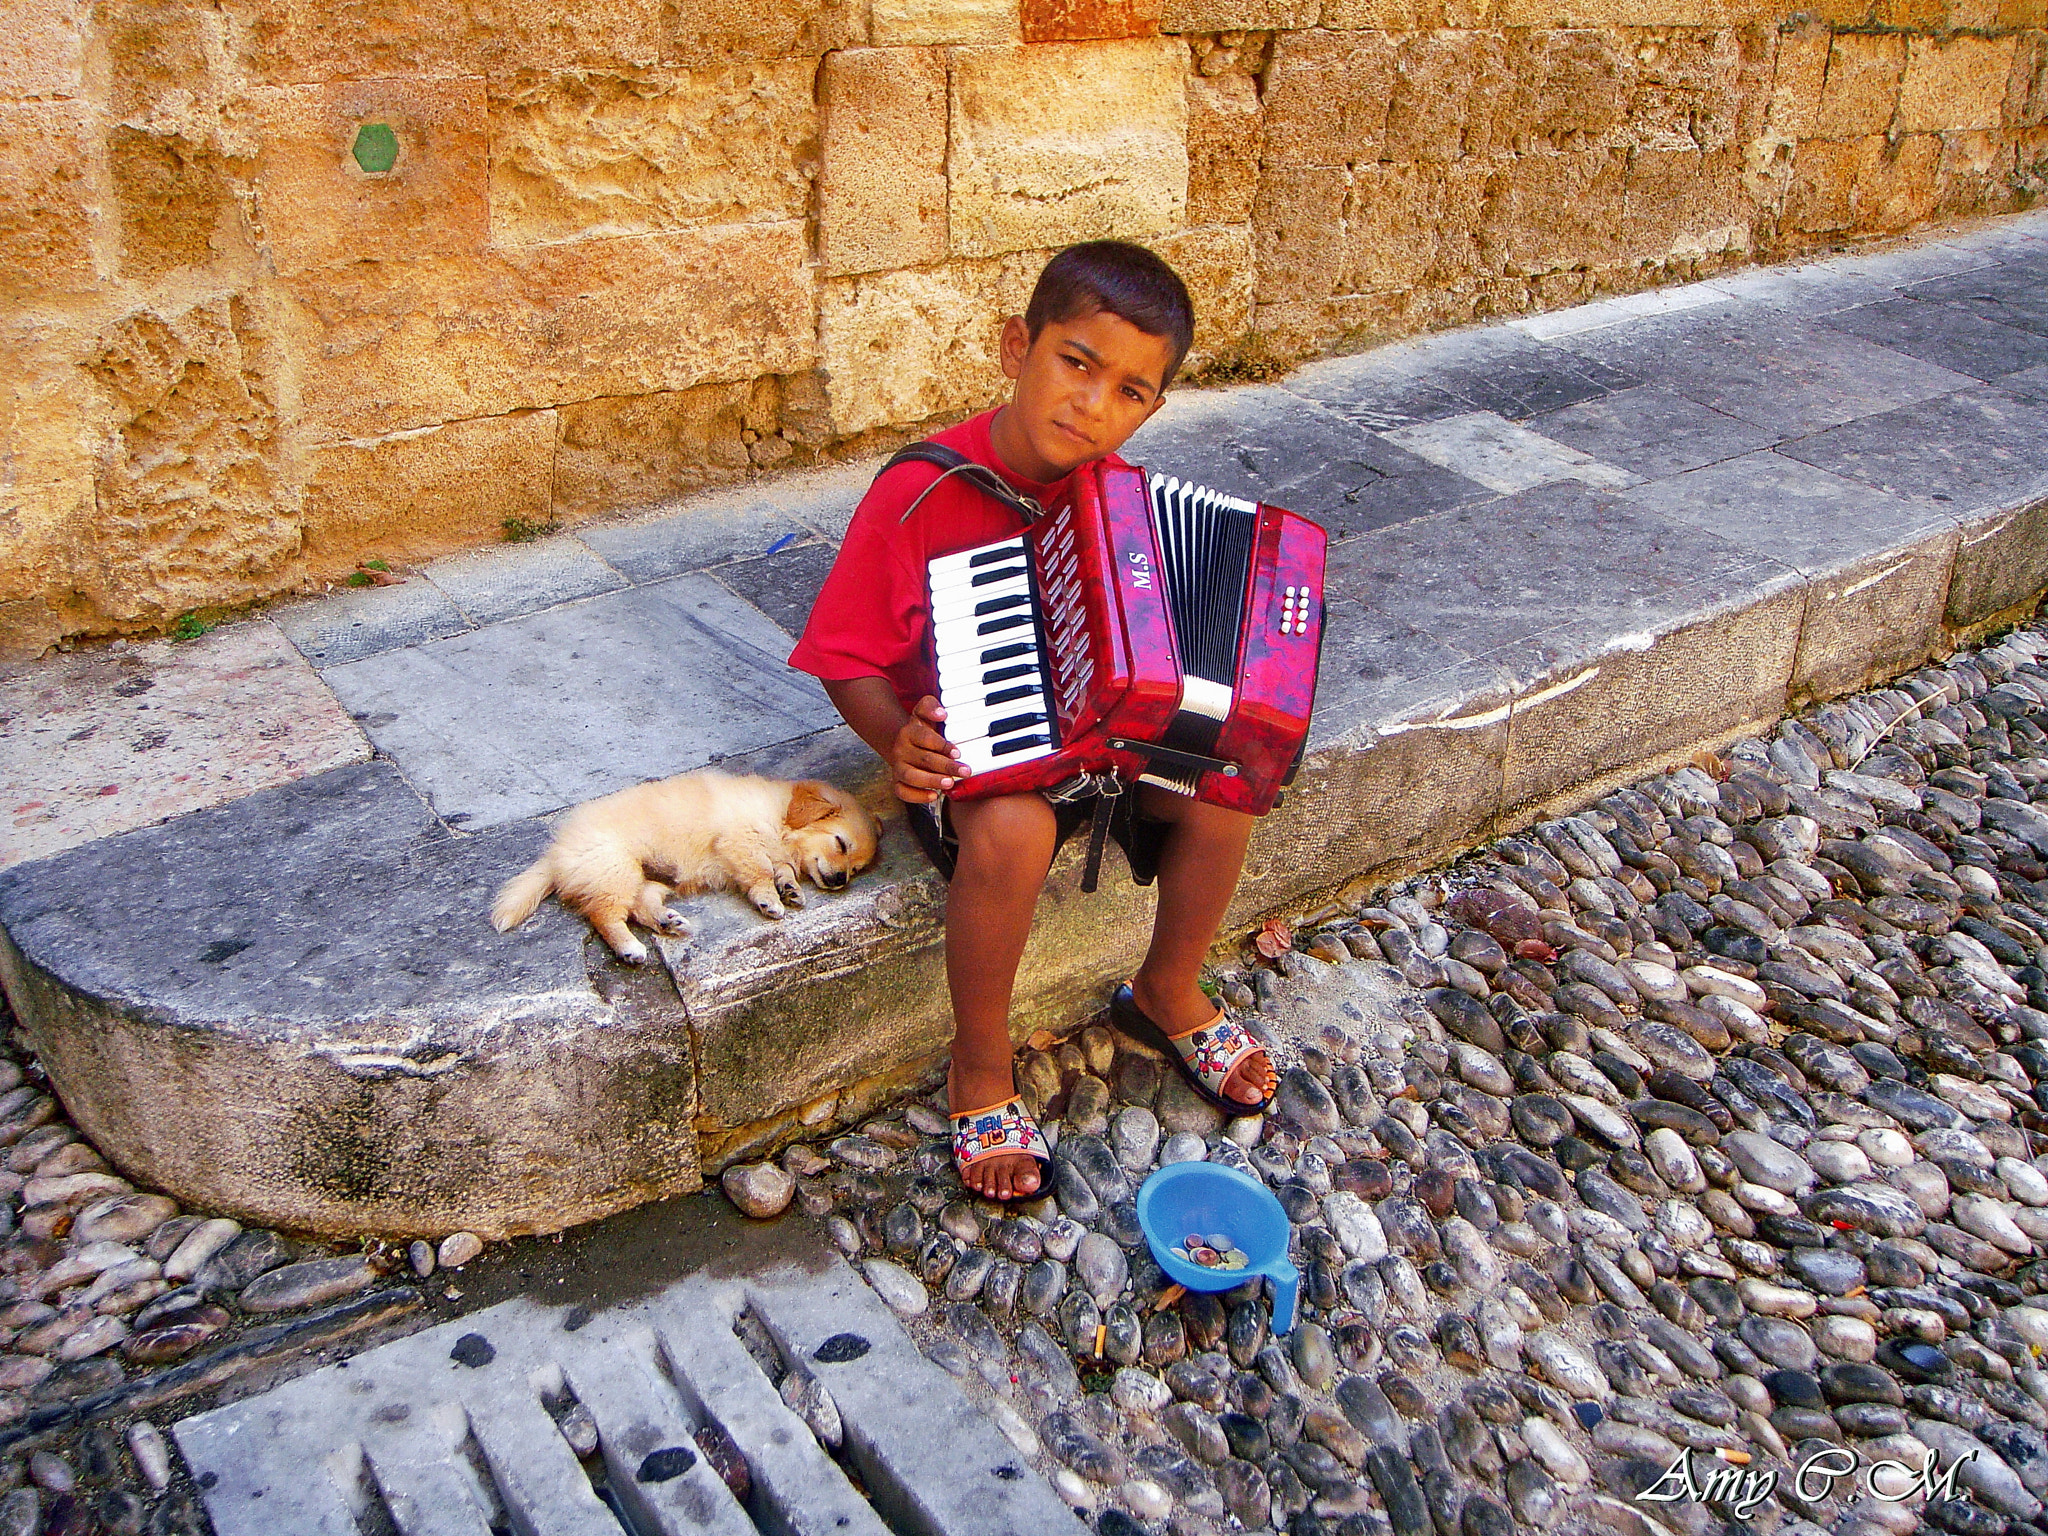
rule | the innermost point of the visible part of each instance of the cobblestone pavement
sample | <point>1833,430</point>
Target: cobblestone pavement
<point>1703,1121</point>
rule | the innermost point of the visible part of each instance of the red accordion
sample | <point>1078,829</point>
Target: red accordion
<point>1142,626</point>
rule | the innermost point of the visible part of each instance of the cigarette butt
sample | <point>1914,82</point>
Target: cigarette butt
<point>1855,1290</point>
<point>1169,1296</point>
<point>1101,1338</point>
<point>1737,1458</point>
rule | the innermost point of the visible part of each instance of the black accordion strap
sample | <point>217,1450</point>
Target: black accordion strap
<point>1098,832</point>
<point>980,476</point>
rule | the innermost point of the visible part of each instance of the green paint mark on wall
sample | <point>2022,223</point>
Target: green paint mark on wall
<point>376,148</point>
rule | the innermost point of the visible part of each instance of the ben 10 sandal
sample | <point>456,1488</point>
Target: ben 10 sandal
<point>1001,1130</point>
<point>1206,1056</point>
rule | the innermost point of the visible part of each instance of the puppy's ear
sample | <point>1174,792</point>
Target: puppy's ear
<point>807,805</point>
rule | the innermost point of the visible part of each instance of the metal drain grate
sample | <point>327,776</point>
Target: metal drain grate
<point>457,1431</point>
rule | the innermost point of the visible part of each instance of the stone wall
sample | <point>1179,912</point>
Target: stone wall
<point>286,284</point>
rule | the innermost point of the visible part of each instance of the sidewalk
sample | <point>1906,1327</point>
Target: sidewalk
<point>1568,548</point>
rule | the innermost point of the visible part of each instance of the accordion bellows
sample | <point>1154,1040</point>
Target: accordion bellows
<point>1145,626</point>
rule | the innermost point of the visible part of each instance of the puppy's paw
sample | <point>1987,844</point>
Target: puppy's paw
<point>672,923</point>
<point>766,901</point>
<point>633,954</point>
<point>786,886</point>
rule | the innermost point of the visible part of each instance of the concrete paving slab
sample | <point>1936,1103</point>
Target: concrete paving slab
<point>1381,389</point>
<point>932,1464</point>
<point>2012,292</point>
<point>510,579</point>
<point>1490,581</point>
<point>1787,510</point>
<point>1651,432</point>
<point>467,1411</point>
<point>720,1383</point>
<point>348,623</point>
<point>1634,306</point>
<point>1974,451</point>
<point>1518,377</point>
<point>1790,379</point>
<point>691,540</point>
<point>1879,563</point>
<point>1274,446</point>
<point>1948,335</point>
<point>541,712</point>
<point>2031,386</point>
<point>311,964</point>
<point>1502,456</point>
<point>783,585</point>
<point>96,742</point>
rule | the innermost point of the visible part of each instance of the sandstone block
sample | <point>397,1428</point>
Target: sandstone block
<point>1682,203</point>
<point>45,49</point>
<point>171,194</point>
<point>707,31</point>
<point>50,416</point>
<point>882,174</point>
<point>318,204</point>
<point>1237,15</point>
<point>46,540</point>
<point>1299,231</point>
<point>294,42</point>
<point>160,62</point>
<point>194,505</point>
<point>915,23</point>
<point>1225,126</point>
<point>1406,15</point>
<point>1391,225</point>
<point>1449,88</point>
<point>47,206</point>
<point>409,343</point>
<point>1074,21</point>
<point>1215,261</point>
<point>1869,184</point>
<point>2026,92</point>
<point>1057,142</point>
<point>1862,87</point>
<point>1794,110</point>
<point>1977,172</point>
<point>413,495</point>
<point>1956,82</point>
<point>1326,98</point>
<point>1549,212</point>
<point>647,448</point>
<point>585,152</point>
<point>908,346</point>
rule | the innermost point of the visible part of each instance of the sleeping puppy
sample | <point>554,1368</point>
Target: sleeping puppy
<point>621,856</point>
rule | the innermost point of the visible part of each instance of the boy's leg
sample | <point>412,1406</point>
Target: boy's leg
<point>1006,847</point>
<point>1198,870</point>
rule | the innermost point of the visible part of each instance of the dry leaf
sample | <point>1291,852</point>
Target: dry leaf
<point>1275,939</point>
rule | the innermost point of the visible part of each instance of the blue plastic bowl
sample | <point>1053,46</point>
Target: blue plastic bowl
<point>1185,1198</point>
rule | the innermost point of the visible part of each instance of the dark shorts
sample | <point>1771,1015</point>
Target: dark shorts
<point>1142,838</point>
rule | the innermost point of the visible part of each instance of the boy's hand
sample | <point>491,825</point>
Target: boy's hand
<point>923,760</point>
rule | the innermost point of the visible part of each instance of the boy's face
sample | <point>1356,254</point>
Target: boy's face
<point>1083,387</point>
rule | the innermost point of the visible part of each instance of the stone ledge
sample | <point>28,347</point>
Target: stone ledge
<point>290,1008</point>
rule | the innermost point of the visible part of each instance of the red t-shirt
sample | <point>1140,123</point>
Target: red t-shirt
<point>870,617</point>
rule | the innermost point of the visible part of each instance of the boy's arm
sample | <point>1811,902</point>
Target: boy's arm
<point>920,758</point>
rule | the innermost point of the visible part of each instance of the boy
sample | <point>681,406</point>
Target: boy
<point>1091,357</point>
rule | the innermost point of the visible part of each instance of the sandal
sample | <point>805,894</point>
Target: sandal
<point>1206,1055</point>
<point>1000,1130</point>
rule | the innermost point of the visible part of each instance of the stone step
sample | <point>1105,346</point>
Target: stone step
<point>453,1431</point>
<point>1565,554</point>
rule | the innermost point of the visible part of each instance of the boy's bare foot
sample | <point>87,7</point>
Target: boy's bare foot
<point>1179,1012</point>
<point>1016,1176</point>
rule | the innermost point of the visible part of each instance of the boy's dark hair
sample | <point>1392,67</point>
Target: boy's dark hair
<point>1126,280</point>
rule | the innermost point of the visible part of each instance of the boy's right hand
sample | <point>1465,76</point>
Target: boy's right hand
<point>924,762</point>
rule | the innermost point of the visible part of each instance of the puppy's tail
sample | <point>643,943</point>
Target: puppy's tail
<point>521,895</point>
